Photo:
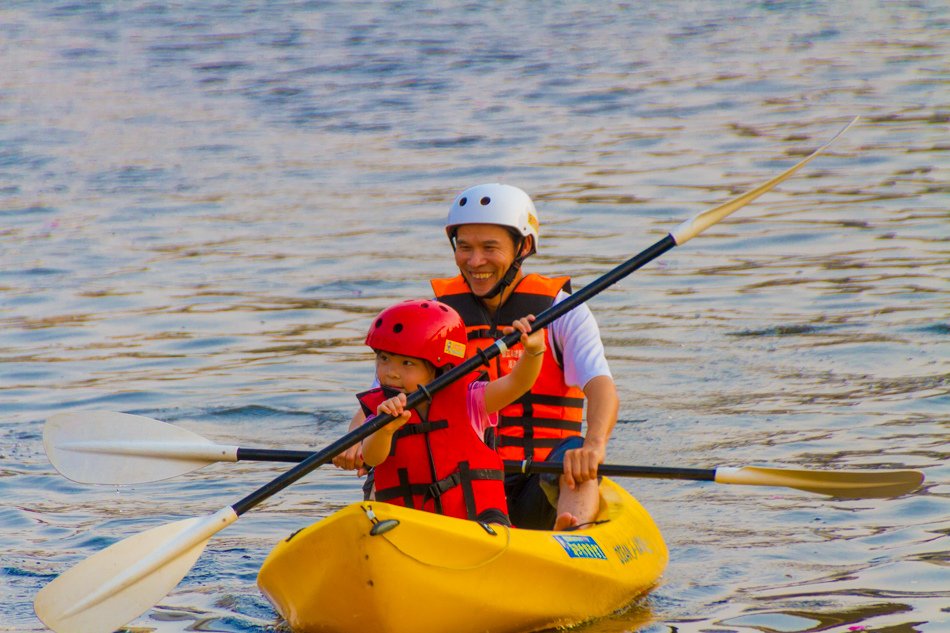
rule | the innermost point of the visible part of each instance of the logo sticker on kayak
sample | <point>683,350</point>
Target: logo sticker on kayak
<point>580,547</point>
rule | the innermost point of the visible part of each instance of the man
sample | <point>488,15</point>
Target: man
<point>493,228</point>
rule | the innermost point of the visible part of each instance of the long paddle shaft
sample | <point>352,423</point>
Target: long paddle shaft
<point>105,447</point>
<point>117,584</point>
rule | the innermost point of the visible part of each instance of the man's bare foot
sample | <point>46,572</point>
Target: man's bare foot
<point>564,521</point>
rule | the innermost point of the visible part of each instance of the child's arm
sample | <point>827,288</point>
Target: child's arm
<point>502,392</point>
<point>376,447</point>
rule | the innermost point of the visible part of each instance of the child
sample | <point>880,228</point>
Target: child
<point>434,457</point>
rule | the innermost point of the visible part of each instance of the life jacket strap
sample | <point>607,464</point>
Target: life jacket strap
<point>463,477</point>
<point>420,427</point>
<point>528,444</point>
<point>551,401</point>
<point>417,428</point>
<point>533,423</point>
<point>404,490</point>
<point>484,333</point>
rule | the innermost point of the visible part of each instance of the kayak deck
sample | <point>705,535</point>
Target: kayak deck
<point>429,573</point>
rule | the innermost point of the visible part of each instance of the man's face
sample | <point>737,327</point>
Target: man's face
<point>483,253</point>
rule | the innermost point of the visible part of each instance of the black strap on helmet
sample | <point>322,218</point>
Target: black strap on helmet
<point>510,274</point>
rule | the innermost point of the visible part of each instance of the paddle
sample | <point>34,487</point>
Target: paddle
<point>103,447</point>
<point>844,484</point>
<point>119,583</point>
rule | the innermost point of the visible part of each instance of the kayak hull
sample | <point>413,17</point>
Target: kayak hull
<point>429,573</point>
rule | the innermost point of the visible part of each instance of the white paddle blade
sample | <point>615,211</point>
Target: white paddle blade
<point>121,582</point>
<point>104,447</point>
<point>851,484</point>
<point>699,223</point>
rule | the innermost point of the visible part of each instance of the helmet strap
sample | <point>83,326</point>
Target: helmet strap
<point>510,274</point>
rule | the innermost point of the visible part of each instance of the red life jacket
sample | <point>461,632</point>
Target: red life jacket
<point>439,464</point>
<point>540,419</point>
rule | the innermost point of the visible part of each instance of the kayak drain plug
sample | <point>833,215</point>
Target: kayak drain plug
<point>383,526</point>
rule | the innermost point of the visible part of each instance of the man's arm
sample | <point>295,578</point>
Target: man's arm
<point>584,363</point>
<point>580,465</point>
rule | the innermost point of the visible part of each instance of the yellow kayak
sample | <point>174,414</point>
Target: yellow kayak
<point>378,567</point>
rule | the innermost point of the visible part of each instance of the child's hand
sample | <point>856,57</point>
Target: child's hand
<point>395,406</point>
<point>534,342</point>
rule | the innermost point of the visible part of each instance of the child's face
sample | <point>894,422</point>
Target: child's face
<point>405,373</point>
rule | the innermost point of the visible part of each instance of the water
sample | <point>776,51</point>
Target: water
<point>202,205</point>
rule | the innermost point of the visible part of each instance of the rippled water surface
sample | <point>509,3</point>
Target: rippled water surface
<point>202,204</point>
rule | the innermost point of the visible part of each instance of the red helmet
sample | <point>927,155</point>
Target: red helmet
<point>421,328</point>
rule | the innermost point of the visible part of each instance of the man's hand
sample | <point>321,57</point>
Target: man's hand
<point>352,458</point>
<point>580,464</point>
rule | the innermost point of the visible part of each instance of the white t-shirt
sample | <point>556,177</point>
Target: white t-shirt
<point>577,335</point>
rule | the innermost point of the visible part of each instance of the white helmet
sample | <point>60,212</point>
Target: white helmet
<point>494,204</point>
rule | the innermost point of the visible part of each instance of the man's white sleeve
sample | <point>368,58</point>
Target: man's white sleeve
<point>577,335</point>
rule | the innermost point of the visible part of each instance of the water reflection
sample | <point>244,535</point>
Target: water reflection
<point>813,622</point>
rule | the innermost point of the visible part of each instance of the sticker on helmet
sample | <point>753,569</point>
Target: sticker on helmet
<point>454,348</point>
<point>533,221</point>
